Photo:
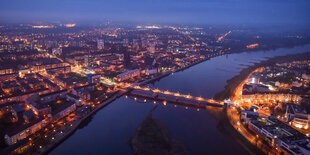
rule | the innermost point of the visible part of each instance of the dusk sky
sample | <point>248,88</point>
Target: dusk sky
<point>263,12</point>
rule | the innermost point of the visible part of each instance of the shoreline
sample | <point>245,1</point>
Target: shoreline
<point>66,135</point>
<point>233,83</point>
<point>78,123</point>
<point>240,78</point>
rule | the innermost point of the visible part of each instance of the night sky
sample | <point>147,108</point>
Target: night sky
<point>264,12</point>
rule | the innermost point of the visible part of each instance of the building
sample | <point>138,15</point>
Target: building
<point>128,75</point>
<point>297,116</point>
<point>29,116</point>
<point>84,110</point>
<point>17,110</point>
<point>151,71</point>
<point>60,70</point>
<point>13,136</point>
<point>278,134</point>
<point>253,80</point>
<point>50,85</point>
<point>100,44</point>
<point>76,99</point>
<point>61,107</point>
<point>5,77</point>
<point>83,91</point>
<point>270,97</point>
<point>94,78</point>
<point>6,71</point>
<point>254,88</point>
<point>22,97</point>
<point>53,95</point>
<point>247,115</point>
<point>57,51</point>
<point>42,67</point>
<point>39,103</point>
<point>39,107</point>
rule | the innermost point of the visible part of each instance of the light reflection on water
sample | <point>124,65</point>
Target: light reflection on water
<point>200,131</point>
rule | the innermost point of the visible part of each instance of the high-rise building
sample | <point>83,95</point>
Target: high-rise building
<point>100,44</point>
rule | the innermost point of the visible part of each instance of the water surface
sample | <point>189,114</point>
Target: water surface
<point>109,131</point>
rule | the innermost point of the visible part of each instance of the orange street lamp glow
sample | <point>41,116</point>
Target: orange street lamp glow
<point>165,102</point>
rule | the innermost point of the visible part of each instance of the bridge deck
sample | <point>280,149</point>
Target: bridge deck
<point>171,98</point>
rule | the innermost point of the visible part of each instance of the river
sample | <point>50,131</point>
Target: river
<point>110,129</point>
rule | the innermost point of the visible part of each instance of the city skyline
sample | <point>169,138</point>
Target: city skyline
<point>235,12</point>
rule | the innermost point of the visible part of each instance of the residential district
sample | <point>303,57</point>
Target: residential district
<point>272,108</point>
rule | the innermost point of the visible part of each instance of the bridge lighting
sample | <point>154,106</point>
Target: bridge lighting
<point>156,90</point>
<point>167,92</point>
<point>135,99</point>
<point>154,102</point>
<point>144,100</point>
<point>126,96</point>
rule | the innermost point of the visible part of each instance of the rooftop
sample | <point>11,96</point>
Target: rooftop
<point>131,71</point>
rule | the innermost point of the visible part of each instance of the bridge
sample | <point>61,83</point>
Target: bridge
<point>169,97</point>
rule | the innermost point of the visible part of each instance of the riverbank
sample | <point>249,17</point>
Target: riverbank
<point>239,138</point>
<point>68,132</point>
<point>233,83</point>
<point>178,70</point>
<point>233,115</point>
<point>77,123</point>
<point>107,113</point>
